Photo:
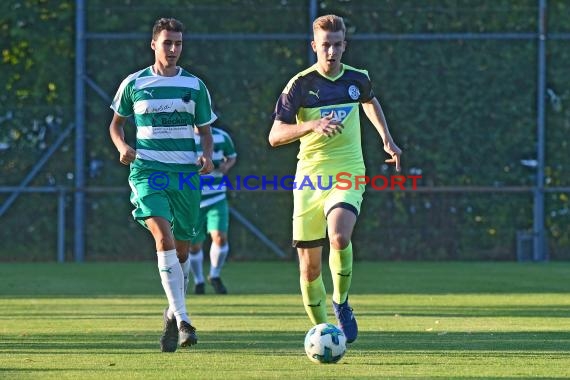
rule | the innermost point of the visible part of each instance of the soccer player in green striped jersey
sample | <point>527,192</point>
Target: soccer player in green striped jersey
<point>166,103</point>
<point>320,108</point>
<point>214,215</point>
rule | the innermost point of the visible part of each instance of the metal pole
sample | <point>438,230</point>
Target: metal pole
<point>79,210</point>
<point>61,225</point>
<point>312,16</point>
<point>264,239</point>
<point>538,223</point>
<point>36,169</point>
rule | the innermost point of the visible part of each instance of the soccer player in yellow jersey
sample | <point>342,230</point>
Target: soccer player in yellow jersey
<point>320,108</point>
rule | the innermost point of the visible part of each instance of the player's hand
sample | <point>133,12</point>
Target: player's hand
<point>127,154</point>
<point>395,152</point>
<point>223,168</point>
<point>328,126</point>
<point>206,165</point>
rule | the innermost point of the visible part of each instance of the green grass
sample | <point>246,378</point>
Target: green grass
<point>417,320</point>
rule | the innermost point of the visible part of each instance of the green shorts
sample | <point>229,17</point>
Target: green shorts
<point>214,217</point>
<point>175,202</point>
<point>311,206</point>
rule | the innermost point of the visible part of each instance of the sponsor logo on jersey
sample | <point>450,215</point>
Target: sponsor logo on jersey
<point>169,119</point>
<point>339,113</point>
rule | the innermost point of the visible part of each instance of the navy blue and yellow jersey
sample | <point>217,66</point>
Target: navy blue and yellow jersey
<point>310,95</point>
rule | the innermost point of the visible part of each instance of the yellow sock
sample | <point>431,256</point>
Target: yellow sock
<point>340,264</point>
<point>315,299</point>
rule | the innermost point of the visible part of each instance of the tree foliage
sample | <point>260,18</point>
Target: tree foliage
<point>463,110</point>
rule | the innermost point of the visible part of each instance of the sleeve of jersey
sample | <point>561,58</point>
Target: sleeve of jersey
<point>203,113</point>
<point>229,148</point>
<point>123,101</point>
<point>367,94</point>
<point>289,103</point>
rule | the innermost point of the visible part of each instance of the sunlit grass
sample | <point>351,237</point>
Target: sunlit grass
<point>103,321</point>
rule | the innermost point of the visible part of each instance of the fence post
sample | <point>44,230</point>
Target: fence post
<point>313,7</point>
<point>538,219</point>
<point>79,216</point>
<point>61,225</point>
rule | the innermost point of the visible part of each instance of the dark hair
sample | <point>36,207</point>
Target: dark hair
<point>329,23</point>
<point>170,24</point>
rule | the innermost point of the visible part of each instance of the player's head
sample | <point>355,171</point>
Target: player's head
<point>329,23</point>
<point>328,43</point>
<point>168,24</point>
<point>167,41</point>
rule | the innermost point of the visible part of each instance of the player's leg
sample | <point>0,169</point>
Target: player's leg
<point>187,332</point>
<point>172,279</point>
<point>196,257</point>
<point>218,254</point>
<point>341,221</point>
<point>182,251</point>
<point>152,210</point>
<point>312,285</point>
<point>185,268</point>
<point>185,206</point>
<point>309,236</point>
<point>171,333</point>
<point>343,207</point>
<point>217,227</point>
<point>169,266</point>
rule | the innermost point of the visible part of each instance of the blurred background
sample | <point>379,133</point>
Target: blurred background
<point>476,93</point>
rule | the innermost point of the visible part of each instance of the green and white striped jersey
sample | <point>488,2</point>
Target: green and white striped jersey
<point>165,111</point>
<point>213,188</point>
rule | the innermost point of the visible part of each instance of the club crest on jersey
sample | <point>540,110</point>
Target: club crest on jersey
<point>339,113</point>
<point>187,97</point>
<point>353,92</point>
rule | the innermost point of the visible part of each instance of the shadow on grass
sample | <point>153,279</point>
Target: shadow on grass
<point>288,343</point>
<point>267,308</point>
<point>105,279</point>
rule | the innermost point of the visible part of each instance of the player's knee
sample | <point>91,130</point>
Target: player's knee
<point>339,241</point>
<point>195,249</point>
<point>163,243</point>
<point>182,256</point>
<point>310,273</point>
<point>219,238</point>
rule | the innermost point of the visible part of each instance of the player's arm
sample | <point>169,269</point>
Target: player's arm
<point>207,142</point>
<point>285,130</point>
<point>374,112</point>
<point>230,155</point>
<point>126,153</point>
<point>227,164</point>
<point>283,133</point>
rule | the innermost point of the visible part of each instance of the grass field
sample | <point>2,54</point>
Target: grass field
<point>417,320</point>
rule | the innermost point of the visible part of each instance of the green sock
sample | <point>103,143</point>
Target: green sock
<point>315,299</point>
<point>340,264</point>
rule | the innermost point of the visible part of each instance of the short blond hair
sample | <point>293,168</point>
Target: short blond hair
<point>329,23</point>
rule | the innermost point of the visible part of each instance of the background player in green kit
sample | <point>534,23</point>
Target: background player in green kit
<point>166,103</point>
<point>320,108</point>
<point>214,215</point>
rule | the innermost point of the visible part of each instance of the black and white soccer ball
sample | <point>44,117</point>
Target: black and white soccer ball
<point>325,343</point>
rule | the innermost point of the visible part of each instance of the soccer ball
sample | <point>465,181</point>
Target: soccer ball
<point>325,343</point>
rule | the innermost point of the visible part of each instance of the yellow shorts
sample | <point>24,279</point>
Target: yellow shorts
<point>313,198</point>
